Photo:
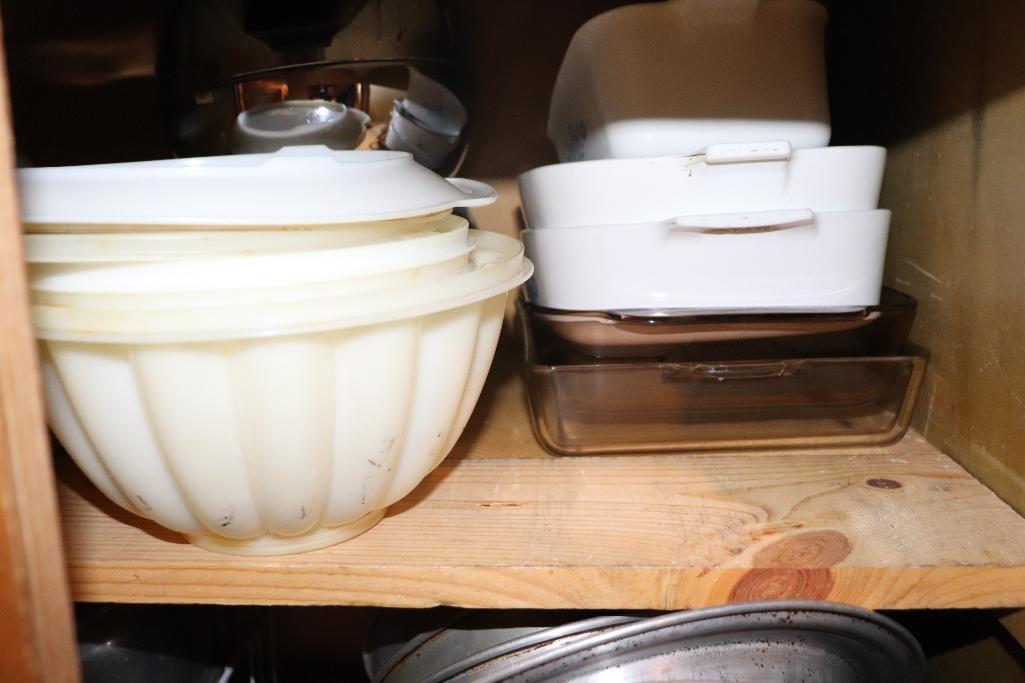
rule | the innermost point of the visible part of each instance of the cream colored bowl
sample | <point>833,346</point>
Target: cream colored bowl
<point>263,444</point>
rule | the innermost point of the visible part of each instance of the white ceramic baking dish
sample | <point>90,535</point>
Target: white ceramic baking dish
<point>792,260</point>
<point>267,429</point>
<point>723,178</point>
<point>673,77</point>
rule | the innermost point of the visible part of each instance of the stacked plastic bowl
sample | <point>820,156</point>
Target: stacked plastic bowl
<point>262,352</point>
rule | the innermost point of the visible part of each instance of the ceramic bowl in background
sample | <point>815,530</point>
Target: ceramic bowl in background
<point>673,77</point>
<point>429,148</point>
<point>269,127</point>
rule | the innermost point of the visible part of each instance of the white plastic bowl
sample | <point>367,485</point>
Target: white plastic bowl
<point>793,260</point>
<point>282,438</point>
<point>724,178</point>
<point>269,127</point>
<point>673,77</point>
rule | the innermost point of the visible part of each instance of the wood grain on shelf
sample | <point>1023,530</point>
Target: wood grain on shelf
<point>36,636</point>
<point>500,524</point>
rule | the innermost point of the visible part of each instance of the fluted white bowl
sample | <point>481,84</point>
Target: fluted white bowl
<point>286,427</point>
<point>271,445</point>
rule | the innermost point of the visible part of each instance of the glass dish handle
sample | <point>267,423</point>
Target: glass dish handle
<point>733,371</point>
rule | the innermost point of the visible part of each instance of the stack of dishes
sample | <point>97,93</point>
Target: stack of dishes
<point>262,352</point>
<point>698,215</point>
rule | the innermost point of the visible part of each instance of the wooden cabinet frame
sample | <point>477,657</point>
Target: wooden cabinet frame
<point>36,634</point>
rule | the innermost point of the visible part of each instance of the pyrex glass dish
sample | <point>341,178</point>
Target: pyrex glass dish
<point>878,330</point>
<point>588,406</point>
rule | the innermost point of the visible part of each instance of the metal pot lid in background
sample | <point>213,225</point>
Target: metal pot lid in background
<point>462,641</point>
<point>770,641</point>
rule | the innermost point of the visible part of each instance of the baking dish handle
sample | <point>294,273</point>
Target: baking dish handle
<point>746,152</point>
<point>743,223</point>
<point>477,193</point>
<point>732,371</point>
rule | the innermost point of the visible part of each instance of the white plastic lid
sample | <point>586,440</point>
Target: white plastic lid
<point>130,246</point>
<point>496,266</point>
<point>444,240</point>
<point>308,185</point>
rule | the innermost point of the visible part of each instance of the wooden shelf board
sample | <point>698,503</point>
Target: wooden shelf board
<point>502,524</point>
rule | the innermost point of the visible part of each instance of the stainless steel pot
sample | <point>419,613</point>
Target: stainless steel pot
<point>770,641</point>
<point>226,56</point>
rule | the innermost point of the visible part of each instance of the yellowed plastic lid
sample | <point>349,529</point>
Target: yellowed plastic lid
<point>496,265</point>
<point>147,246</point>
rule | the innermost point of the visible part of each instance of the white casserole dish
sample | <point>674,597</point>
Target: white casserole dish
<point>674,77</point>
<point>723,178</point>
<point>795,260</point>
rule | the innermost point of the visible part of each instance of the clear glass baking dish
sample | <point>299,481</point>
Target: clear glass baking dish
<point>592,406</point>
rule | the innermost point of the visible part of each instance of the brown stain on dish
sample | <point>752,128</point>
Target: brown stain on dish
<point>797,566</point>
